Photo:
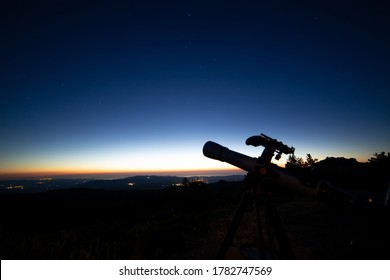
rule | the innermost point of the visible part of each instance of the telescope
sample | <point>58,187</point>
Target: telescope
<point>259,166</point>
<point>262,174</point>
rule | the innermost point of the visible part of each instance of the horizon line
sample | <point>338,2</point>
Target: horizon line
<point>118,174</point>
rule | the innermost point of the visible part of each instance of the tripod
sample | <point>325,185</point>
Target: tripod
<point>271,241</point>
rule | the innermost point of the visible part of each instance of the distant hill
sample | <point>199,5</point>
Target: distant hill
<point>39,185</point>
<point>151,182</point>
<point>144,182</point>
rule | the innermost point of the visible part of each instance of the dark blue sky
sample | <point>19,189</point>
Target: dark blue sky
<point>142,85</point>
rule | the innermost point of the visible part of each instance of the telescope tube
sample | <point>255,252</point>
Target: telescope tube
<point>252,165</point>
<point>221,153</point>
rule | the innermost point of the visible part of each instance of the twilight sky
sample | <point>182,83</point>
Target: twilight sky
<point>142,85</point>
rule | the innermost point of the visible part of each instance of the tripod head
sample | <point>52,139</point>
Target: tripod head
<point>270,145</point>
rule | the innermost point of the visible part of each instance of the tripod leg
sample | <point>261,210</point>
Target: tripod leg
<point>229,237</point>
<point>284,248</point>
<point>275,243</point>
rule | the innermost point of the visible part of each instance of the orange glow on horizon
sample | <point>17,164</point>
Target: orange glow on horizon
<point>118,173</point>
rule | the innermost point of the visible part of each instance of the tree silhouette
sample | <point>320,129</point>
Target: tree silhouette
<point>380,158</point>
<point>380,166</point>
<point>310,161</point>
<point>299,162</point>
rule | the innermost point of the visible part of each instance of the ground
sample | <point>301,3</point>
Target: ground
<point>183,223</point>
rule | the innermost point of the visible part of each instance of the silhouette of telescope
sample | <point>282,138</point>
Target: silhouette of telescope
<point>272,173</point>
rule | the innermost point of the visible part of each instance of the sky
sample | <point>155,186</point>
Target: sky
<point>140,86</point>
